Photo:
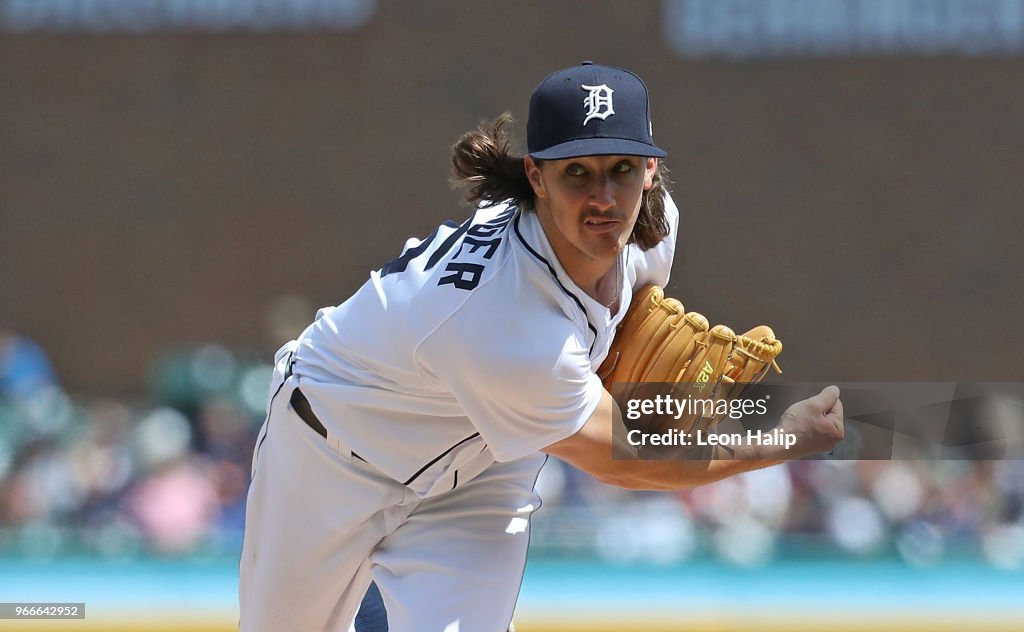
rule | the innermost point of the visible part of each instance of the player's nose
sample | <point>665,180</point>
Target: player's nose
<point>601,196</point>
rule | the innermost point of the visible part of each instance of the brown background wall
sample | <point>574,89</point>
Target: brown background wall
<point>164,189</point>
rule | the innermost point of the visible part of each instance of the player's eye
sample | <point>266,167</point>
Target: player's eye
<point>623,167</point>
<point>575,170</point>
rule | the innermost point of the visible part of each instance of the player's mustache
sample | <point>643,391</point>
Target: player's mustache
<point>607,216</point>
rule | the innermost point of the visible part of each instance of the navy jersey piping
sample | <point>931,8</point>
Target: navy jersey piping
<point>554,275</point>
<point>270,406</point>
<point>439,457</point>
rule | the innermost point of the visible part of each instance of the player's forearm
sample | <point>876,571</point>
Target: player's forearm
<point>682,471</point>
<point>675,475</point>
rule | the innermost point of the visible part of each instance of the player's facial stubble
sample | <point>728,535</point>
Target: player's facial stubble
<point>589,205</point>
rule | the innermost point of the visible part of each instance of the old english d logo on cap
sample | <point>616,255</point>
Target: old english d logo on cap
<point>598,102</point>
<point>590,110</point>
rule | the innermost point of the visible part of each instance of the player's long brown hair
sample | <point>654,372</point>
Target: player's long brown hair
<point>485,165</point>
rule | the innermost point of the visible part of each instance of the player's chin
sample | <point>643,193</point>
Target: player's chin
<point>605,246</point>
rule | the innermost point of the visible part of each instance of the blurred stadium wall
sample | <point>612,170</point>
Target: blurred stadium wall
<point>162,186</point>
<point>183,181</point>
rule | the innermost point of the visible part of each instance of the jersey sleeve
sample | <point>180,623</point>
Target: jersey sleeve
<point>522,385</point>
<point>655,265</point>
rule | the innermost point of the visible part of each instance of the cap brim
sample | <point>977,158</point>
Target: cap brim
<point>599,147</point>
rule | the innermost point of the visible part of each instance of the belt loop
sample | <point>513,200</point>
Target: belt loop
<point>291,365</point>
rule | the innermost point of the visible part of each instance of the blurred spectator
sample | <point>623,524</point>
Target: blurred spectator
<point>227,433</point>
<point>113,478</point>
<point>175,506</point>
<point>24,366</point>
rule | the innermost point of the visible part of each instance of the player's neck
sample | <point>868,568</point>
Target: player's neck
<point>609,287</point>
<point>597,277</point>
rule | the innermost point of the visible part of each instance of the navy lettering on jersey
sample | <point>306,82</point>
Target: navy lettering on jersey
<point>476,244</point>
<point>443,249</point>
<point>465,275</point>
<point>400,263</point>
<point>485,230</point>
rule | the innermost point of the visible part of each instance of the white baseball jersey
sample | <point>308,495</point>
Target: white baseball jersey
<point>445,374</point>
<point>473,346</point>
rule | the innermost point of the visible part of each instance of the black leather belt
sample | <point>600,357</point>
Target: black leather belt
<point>305,412</point>
<point>301,406</point>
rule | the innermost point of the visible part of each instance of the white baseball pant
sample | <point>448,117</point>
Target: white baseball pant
<point>320,525</point>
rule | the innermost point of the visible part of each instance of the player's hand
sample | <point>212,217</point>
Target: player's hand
<point>817,423</point>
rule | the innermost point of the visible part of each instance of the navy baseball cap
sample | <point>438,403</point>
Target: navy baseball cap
<point>590,110</point>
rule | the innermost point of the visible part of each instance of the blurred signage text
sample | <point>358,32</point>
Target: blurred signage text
<point>134,16</point>
<point>836,28</point>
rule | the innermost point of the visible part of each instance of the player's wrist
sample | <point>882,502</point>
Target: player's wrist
<point>760,453</point>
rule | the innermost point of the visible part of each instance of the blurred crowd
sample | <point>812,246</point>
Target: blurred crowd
<point>118,478</point>
<point>168,475</point>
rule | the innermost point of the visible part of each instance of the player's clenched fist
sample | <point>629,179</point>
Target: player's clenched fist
<point>817,423</point>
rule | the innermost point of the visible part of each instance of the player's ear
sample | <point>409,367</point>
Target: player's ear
<point>649,170</point>
<point>533,175</point>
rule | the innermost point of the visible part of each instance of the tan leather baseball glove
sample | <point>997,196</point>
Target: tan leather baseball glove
<point>660,343</point>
